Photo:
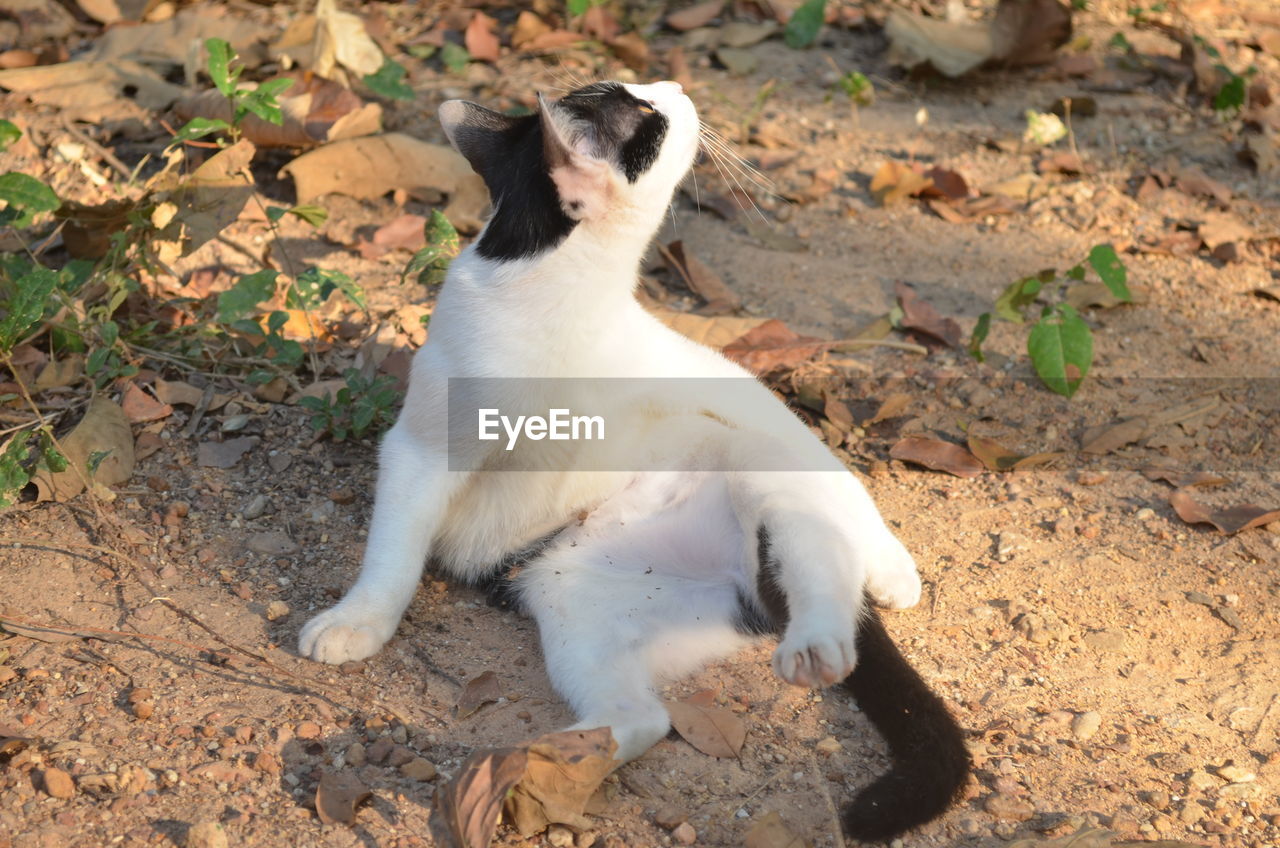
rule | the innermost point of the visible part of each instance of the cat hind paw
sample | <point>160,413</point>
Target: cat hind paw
<point>809,658</point>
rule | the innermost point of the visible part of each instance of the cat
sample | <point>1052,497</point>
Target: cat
<point>729,519</point>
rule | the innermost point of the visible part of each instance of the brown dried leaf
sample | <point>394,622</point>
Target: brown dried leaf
<point>692,17</point>
<point>465,810</point>
<point>1272,293</point>
<point>401,233</point>
<point>338,796</point>
<point>938,455</point>
<point>528,27</point>
<point>632,49</point>
<point>893,406</point>
<point>61,372</point>
<point>1228,521</point>
<point>1221,228</point>
<point>103,428</point>
<point>481,41</point>
<point>168,43</point>
<point>94,91</point>
<point>1184,479</point>
<point>714,332</point>
<point>561,774</point>
<point>599,23</point>
<point>480,690</point>
<point>224,454</point>
<point>945,183</point>
<point>372,166</point>
<point>700,279</point>
<point>1197,183</point>
<point>10,745</point>
<point>773,346</point>
<point>769,831</point>
<point>1023,32</point>
<point>922,317</point>
<point>712,730</point>
<point>1105,439</point>
<point>1029,32</point>
<point>211,199</point>
<point>896,181</point>
<point>140,407</point>
<point>999,458</point>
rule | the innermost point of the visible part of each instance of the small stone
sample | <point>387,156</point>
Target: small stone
<point>1199,598</point>
<point>256,508</point>
<point>829,746</point>
<point>352,667</point>
<point>307,730</point>
<point>1111,641</point>
<point>739,62</point>
<point>1202,781</point>
<point>1085,725</point>
<point>419,769</point>
<point>1145,514</point>
<point>206,835</point>
<point>1235,774</point>
<point>1091,478</point>
<point>144,710</point>
<point>399,734</point>
<point>381,747</point>
<point>685,834</point>
<point>342,497</point>
<point>1007,807</point>
<point>1009,545</point>
<point>277,610</point>
<point>58,783</point>
<point>1250,791</point>
<point>7,674</point>
<point>354,755</point>
<point>400,755</point>
<point>1157,798</point>
<point>1230,616</point>
<point>266,762</point>
<point>669,817</point>
<point>559,836</point>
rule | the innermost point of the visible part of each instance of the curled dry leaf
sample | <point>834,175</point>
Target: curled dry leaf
<point>1185,479</point>
<point>772,346</point>
<point>465,810</point>
<point>140,407</point>
<point>700,279</point>
<point>327,40</point>
<point>338,796</point>
<point>938,455</point>
<point>999,458</point>
<point>102,436</point>
<point>897,181</point>
<point>480,690</point>
<point>562,772</point>
<point>946,183</point>
<point>711,729</point>
<point>770,831</point>
<point>1228,521</point>
<point>892,406</point>
<point>481,41</point>
<point>922,317</point>
<point>374,165</point>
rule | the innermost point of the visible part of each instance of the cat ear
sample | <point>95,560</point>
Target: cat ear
<point>582,181</point>
<point>477,133</point>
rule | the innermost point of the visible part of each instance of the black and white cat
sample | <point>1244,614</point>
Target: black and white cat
<point>734,520</point>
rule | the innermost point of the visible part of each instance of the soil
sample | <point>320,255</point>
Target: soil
<point>1115,666</point>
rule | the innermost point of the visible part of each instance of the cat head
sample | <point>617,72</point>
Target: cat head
<point>607,156</point>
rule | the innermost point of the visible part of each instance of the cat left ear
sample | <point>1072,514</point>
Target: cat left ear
<point>582,181</point>
<point>479,134</point>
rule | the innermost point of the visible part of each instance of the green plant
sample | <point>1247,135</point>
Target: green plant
<point>432,261</point>
<point>261,100</point>
<point>856,87</point>
<point>363,406</point>
<point>1060,343</point>
<point>388,81</point>
<point>1230,97</point>
<point>804,24</point>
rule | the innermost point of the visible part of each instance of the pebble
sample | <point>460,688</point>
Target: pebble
<point>1091,478</point>
<point>1235,774</point>
<point>685,834</point>
<point>380,748</point>
<point>1008,545</point>
<point>307,730</point>
<point>354,755</point>
<point>256,508</point>
<point>1106,640</point>
<point>1085,725</point>
<point>1145,514</point>
<point>277,610</point>
<point>829,746</point>
<point>399,734</point>
<point>266,762</point>
<point>559,836</point>
<point>58,783</point>
<point>670,817</point>
<point>144,710</point>
<point>7,674</point>
<point>419,769</point>
<point>1200,598</point>
<point>1007,807</point>
<point>399,756</point>
<point>206,835</point>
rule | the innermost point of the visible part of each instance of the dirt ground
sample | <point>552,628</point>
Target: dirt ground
<point>1114,666</point>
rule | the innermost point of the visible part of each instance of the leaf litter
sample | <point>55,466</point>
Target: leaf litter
<point>713,730</point>
<point>479,690</point>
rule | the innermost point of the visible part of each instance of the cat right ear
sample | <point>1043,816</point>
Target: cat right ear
<point>477,133</point>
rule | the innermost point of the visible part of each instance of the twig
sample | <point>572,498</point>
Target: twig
<point>896,345</point>
<point>107,156</point>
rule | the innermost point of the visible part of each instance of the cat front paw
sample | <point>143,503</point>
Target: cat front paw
<point>813,655</point>
<point>892,578</point>
<point>338,635</point>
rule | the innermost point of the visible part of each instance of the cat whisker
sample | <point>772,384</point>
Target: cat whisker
<point>724,165</point>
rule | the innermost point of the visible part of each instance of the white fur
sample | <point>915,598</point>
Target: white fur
<point>647,586</point>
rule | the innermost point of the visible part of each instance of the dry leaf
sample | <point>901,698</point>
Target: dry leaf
<point>692,17</point>
<point>29,23</point>
<point>1272,293</point>
<point>712,730</point>
<point>104,428</point>
<point>896,181</point>
<point>632,49</point>
<point>61,372</point>
<point>315,111</point>
<point>1195,182</point>
<point>178,41</point>
<point>112,11</point>
<point>372,166</point>
<point>999,458</point>
<point>480,690</point>
<point>1094,296</point>
<point>401,233</point>
<point>10,745</point>
<point>140,407</point>
<point>1022,32</point>
<point>561,774</point>
<point>528,27</point>
<point>600,24</point>
<point>945,183</point>
<point>700,279</point>
<point>922,317</point>
<point>1228,521</point>
<point>1099,440</point>
<point>1220,228</point>
<point>773,346</point>
<point>464,812</point>
<point>892,407</point>
<point>209,200</point>
<point>338,796</point>
<point>714,332</point>
<point>94,91</point>
<point>769,831</point>
<point>481,41</point>
<point>224,454</point>
<point>1029,32</point>
<point>938,455</point>
<point>340,38</point>
<point>87,230</point>
<point>1184,479</point>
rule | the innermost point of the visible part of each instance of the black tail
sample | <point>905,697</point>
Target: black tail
<point>930,761</point>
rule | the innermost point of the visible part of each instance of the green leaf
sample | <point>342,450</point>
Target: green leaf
<point>388,81</point>
<point>431,262</point>
<point>26,307</point>
<point>95,459</point>
<point>421,51</point>
<point>857,88</point>
<point>314,286</point>
<point>13,476</point>
<point>802,29</point>
<point>263,101</point>
<point>1111,270</point>
<point>1021,293</point>
<point>1061,349</point>
<point>49,453</point>
<point>578,7</point>
<point>241,300</point>
<point>220,56</point>
<point>96,361</point>
<point>199,128</point>
<point>9,133</point>
<point>455,57</point>
<point>309,212</point>
<point>275,213</point>
<point>980,332</point>
<point>26,197</point>
<point>1231,96</point>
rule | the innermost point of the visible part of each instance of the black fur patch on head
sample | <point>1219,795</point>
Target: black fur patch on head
<point>619,126</point>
